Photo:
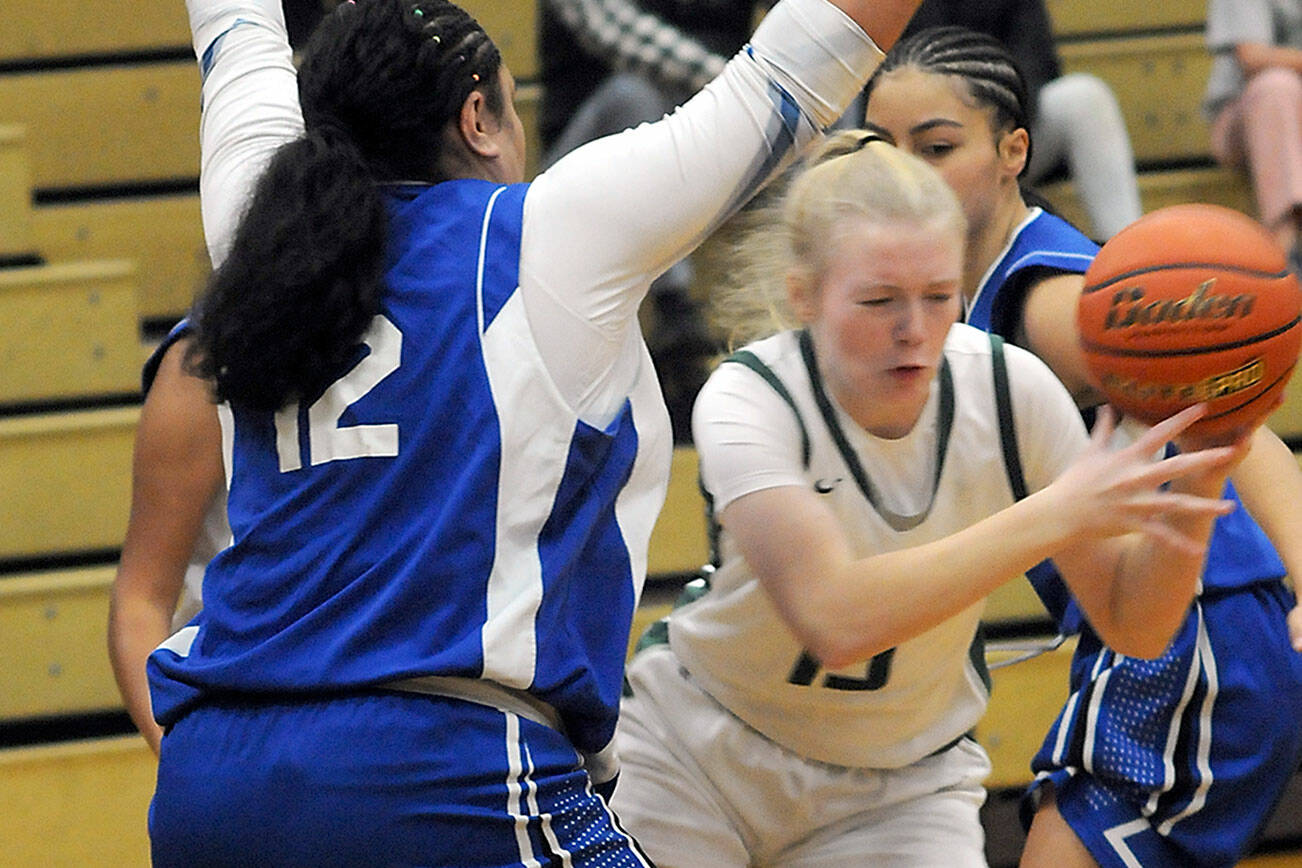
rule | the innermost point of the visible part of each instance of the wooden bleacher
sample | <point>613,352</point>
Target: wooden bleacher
<point>98,168</point>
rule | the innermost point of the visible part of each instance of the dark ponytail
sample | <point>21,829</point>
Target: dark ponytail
<point>380,81</point>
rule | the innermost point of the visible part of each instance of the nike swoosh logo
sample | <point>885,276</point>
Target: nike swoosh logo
<point>825,486</point>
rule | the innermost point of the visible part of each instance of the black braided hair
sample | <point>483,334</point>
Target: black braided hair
<point>980,60</point>
<point>380,81</point>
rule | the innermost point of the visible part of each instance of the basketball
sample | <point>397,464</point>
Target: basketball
<point>1192,303</point>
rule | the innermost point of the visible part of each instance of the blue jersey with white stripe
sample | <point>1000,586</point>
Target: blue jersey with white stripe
<point>438,510</point>
<point>1239,553</point>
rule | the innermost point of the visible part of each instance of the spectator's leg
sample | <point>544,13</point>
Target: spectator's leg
<point>1078,118</point>
<point>1263,129</point>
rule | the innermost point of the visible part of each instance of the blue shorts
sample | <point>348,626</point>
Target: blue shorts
<point>376,778</point>
<point>1179,761</point>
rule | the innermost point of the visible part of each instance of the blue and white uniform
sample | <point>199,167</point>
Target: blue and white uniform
<point>422,620</point>
<point>1176,761</point>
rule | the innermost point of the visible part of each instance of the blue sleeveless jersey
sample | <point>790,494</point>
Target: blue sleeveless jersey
<point>439,510</point>
<point>1239,552</point>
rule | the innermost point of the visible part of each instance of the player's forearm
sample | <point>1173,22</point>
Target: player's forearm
<point>882,20</point>
<point>250,105</point>
<point>1155,582</point>
<point>136,627</point>
<point>868,605</point>
<point>1269,483</point>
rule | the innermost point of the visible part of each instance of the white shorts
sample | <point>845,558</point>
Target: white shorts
<point>701,789</point>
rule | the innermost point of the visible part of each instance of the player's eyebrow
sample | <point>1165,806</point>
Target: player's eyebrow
<point>932,124</point>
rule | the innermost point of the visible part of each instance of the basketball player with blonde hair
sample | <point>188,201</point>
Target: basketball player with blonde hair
<point>812,706</point>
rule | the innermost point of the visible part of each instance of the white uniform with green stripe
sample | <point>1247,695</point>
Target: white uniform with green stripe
<point>948,473</point>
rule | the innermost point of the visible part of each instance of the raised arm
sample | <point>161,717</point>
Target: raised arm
<point>611,216</point>
<point>250,105</point>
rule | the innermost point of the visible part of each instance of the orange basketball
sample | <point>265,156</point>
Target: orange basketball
<point>1192,303</point>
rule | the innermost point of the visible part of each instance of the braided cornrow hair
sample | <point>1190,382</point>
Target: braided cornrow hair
<point>391,74</point>
<point>980,60</point>
<point>380,82</point>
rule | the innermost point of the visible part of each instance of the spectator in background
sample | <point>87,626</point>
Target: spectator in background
<point>1075,118</point>
<point>1254,103</point>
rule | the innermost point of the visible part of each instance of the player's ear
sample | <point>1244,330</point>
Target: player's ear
<point>1014,148</point>
<point>477,124</point>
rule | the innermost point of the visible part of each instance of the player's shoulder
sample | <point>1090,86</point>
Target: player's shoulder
<point>965,341</point>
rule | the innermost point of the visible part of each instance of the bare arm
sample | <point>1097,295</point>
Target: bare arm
<point>1270,485</point>
<point>1253,57</point>
<point>1138,573</point>
<point>1048,329</point>
<point>176,473</point>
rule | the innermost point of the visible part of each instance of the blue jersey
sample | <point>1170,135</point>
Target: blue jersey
<point>375,539</point>
<point>1239,553</point>
<point>1175,761</point>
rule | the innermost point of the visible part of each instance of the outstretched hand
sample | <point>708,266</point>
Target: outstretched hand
<point>1109,493</point>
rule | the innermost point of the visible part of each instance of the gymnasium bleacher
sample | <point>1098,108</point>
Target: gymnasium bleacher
<point>101,249</point>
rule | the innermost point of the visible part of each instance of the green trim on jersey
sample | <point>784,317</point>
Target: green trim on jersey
<point>752,361</point>
<point>944,425</point>
<point>1007,426</point>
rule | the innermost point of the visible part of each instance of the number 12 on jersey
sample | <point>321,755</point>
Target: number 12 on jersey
<point>327,440</point>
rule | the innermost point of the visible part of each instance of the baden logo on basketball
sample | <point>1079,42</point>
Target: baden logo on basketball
<point>1192,303</point>
<point>1130,309</point>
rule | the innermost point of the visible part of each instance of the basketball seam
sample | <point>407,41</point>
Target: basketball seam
<point>1176,266</point>
<point>1104,350</point>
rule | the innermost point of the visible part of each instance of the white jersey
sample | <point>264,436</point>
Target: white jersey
<point>947,474</point>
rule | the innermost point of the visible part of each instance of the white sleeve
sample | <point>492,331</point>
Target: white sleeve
<point>746,435</point>
<point>611,216</point>
<point>250,106</point>
<point>1050,432</point>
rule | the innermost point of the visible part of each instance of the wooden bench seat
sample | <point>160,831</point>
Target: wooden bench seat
<point>65,28</point>
<point>162,235</point>
<point>68,331</point>
<point>15,193</point>
<point>54,656</point>
<point>77,803</point>
<point>107,125</point>
<point>1159,188</point>
<point>1159,81</point>
<point>66,479</point>
<point>1072,18</point>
